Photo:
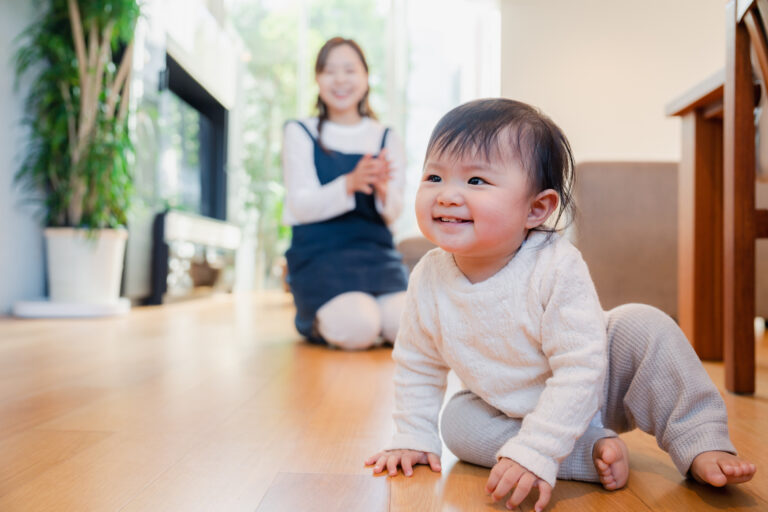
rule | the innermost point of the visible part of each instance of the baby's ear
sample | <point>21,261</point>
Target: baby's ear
<point>541,208</point>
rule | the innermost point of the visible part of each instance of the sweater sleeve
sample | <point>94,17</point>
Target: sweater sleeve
<point>420,377</point>
<point>573,339</point>
<point>306,200</point>
<point>393,205</point>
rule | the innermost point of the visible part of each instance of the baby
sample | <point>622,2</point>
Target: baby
<point>509,305</point>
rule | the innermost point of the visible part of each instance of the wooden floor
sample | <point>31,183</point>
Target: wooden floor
<point>216,405</point>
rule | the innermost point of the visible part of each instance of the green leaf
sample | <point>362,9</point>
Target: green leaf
<point>45,51</point>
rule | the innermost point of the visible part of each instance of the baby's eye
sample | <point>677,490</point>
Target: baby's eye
<point>434,178</point>
<point>474,180</point>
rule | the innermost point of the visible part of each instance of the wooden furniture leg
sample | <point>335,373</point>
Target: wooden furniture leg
<point>739,208</point>
<point>700,242</point>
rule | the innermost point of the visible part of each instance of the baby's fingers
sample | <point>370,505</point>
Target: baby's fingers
<point>507,482</point>
<point>407,465</point>
<point>493,479</point>
<point>434,462</point>
<point>522,489</point>
<point>545,493</point>
<point>382,460</point>
<point>392,463</point>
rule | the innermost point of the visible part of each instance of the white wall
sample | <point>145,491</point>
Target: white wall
<point>604,70</point>
<point>21,244</point>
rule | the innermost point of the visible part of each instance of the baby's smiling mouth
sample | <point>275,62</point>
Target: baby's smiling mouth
<point>452,220</point>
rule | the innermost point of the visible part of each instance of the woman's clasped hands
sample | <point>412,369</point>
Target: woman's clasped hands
<point>372,173</point>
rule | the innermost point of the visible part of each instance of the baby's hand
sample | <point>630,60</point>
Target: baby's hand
<point>405,458</point>
<point>508,474</point>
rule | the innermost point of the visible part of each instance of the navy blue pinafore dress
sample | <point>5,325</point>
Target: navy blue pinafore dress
<point>351,252</point>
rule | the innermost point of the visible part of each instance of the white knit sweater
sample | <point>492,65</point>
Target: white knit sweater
<point>530,341</point>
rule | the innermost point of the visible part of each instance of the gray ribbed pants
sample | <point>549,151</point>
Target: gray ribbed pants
<point>655,382</point>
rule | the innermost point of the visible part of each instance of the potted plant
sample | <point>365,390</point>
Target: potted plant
<point>79,152</point>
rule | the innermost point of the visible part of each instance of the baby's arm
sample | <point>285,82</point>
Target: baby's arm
<point>573,338</point>
<point>420,380</point>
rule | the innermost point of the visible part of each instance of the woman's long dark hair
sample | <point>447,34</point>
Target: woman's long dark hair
<point>363,108</point>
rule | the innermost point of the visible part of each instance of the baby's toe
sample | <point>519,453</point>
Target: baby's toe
<point>715,476</point>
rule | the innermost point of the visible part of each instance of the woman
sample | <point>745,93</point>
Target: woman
<point>344,174</point>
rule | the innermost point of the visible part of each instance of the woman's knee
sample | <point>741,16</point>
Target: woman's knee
<point>350,321</point>
<point>391,306</point>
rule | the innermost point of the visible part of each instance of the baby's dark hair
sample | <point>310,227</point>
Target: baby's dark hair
<point>480,128</point>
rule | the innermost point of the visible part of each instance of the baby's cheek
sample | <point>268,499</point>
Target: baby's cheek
<point>422,209</point>
<point>423,224</point>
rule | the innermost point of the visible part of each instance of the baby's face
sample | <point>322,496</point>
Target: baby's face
<point>474,208</point>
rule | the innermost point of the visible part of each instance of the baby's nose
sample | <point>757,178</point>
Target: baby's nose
<point>450,196</point>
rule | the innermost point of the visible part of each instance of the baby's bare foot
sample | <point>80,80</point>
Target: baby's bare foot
<point>721,468</point>
<point>611,459</point>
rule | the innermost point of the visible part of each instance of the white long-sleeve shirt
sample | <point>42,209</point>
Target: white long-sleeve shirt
<point>530,341</point>
<point>307,200</point>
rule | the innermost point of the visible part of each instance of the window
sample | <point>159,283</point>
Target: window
<point>180,173</point>
<point>425,57</point>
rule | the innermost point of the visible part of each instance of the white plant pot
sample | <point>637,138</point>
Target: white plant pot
<point>85,267</point>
